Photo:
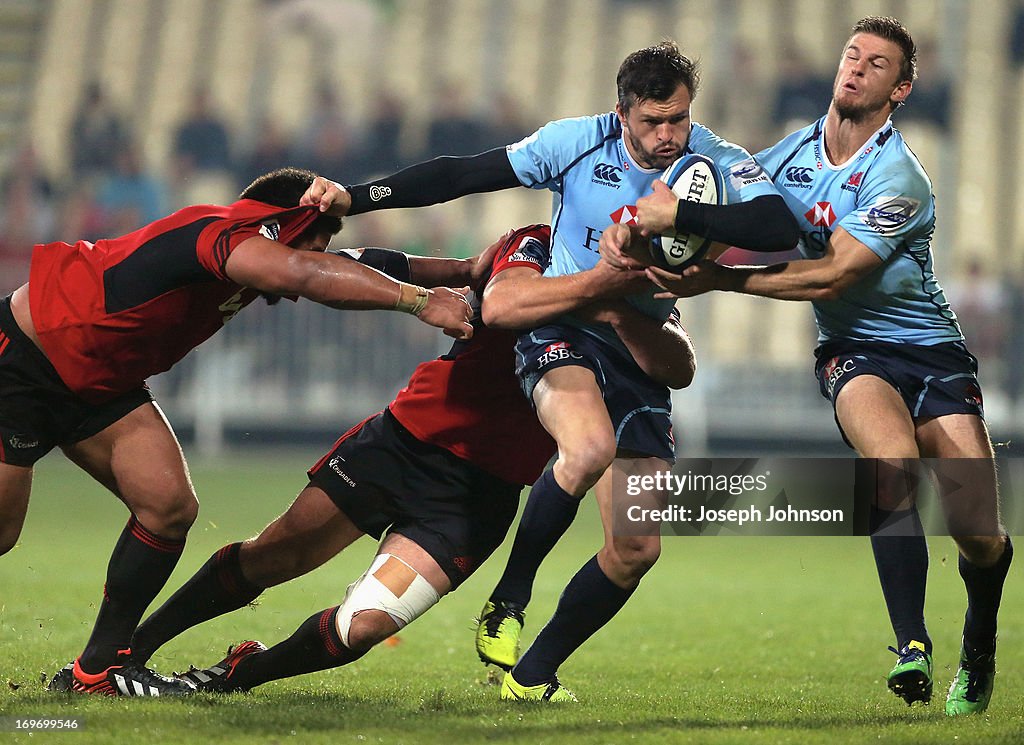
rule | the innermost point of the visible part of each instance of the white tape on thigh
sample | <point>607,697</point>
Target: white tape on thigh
<point>389,585</point>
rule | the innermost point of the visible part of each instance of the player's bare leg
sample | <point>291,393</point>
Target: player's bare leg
<point>309,533</point>
<point>138,458</point>
<point>572,409</point>
<point>628,555</point>
<point>969,491</point>
<point>15,487</point>
<point>140,461</point>
<point>877,423</point>
<point>402,583</point>
<point>594,595</point>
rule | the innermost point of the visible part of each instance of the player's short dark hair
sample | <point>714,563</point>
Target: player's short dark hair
<point>654,74</point>
<point>890,29</point>
<point>283,188</point>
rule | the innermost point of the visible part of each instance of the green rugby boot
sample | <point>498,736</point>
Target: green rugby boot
<point>551,691</point>
<point>497,633</point>
<point>911,678</point>
<point>971,689</point>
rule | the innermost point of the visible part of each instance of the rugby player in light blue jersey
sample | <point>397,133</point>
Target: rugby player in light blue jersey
<point>588,391</point>
<point>891,357</point>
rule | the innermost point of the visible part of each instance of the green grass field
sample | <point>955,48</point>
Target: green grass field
<point>728,640</point>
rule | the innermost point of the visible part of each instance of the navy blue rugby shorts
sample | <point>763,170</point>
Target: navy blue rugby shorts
<point>933,380</point>
<point>640,409</point>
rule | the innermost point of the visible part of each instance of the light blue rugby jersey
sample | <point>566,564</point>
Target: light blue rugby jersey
<point>883,198</point>
<point>585,163</point>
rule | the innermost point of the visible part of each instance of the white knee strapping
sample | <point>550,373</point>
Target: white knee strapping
<point>389,585</point>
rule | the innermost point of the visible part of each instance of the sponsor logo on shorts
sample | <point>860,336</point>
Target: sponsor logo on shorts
<point>746,173</point>
<point>557,352</point>
<point>890,213</point>
<point>836,369</point>
<point>378,193</point>
<point>18,442</point>
<point>607,175</point>
<point>972,395</point>
<point>464,564</point>
<point>333,463</point>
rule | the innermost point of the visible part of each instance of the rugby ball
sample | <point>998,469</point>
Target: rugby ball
<point>694,178</point>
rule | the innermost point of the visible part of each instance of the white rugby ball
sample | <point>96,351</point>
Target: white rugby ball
<point>694,178</point>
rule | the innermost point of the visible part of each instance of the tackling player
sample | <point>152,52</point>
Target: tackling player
<point>588,392</point>
<point>96,319</point>
<point>891,356</point>
<point>439,470</point>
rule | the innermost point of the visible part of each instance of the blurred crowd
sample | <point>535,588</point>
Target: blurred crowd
<point>110,189</point>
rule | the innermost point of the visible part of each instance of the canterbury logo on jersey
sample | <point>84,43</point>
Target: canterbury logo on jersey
<point>800,176</point>
<point>607,175</point>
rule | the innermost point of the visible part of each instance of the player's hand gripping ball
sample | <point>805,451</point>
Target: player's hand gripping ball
<point>693,178</point>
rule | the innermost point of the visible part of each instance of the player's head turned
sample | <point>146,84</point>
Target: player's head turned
<point>890,29</point>
<point>654,74</point>
<point>283,188</point>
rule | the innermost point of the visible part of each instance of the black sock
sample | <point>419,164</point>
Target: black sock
<point>549,512</point>
<point>588,602</point>
<point>984,591</point>
<point>138,569</point>
<point>902,562</point>
<point>218,587</point>
<point>314,646</point>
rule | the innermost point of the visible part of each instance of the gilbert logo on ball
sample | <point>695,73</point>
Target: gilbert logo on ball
<point>693,178</point>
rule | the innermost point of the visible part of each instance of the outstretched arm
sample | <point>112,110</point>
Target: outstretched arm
<point>428,271</point>
<point>430,182</point>
<point>338,282</point>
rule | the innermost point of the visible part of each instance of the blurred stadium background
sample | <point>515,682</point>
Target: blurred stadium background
<point>114,112</point>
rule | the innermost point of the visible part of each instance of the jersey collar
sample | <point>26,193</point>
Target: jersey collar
<point>873,142</point>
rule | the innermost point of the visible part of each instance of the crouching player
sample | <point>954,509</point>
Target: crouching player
<point>439,472</point>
